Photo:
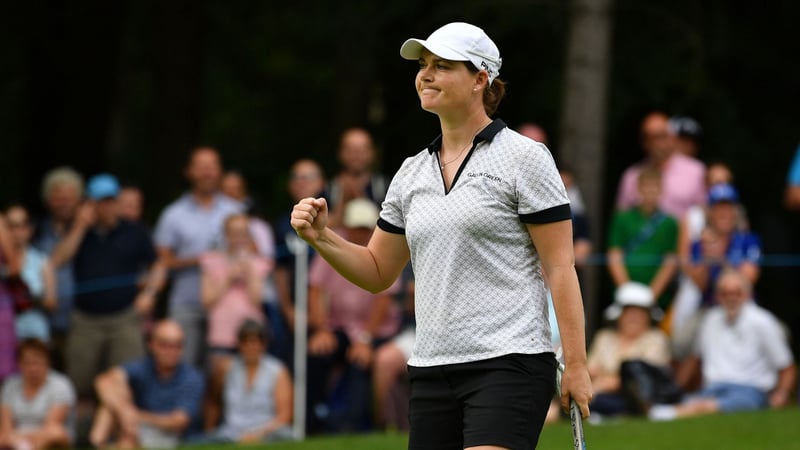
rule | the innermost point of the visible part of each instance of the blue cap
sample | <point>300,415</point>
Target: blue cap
<point>722,192</point>
<point>102,186</point>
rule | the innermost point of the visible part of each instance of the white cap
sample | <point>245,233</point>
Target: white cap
<point>360,213</point>
<point>458,41</point>
<point>633,293</point>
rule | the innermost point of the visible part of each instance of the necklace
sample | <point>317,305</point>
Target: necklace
<point>471,141</point>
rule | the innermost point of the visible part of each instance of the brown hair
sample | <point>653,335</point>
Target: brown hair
<point>492,94</point>
<point>35,346</point>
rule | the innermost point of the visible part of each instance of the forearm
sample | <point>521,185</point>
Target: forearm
<point>616,267</point>
<point>354,262</point>
<point>699,274</point>
<point>787,378</point>
<point>68,246</point>
<point>156,277</point>
<point>255,289</point>
<point>175,421</point>
<point>6,421</point>
<point>569,313</point>
<point>113,391</point>
<point>664,275</point>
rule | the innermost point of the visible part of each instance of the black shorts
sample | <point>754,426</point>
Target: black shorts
<point>500,401</point>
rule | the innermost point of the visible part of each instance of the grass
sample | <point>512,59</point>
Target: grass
<point>773,430</point>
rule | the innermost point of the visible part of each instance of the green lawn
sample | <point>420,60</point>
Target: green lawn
<point>774,430</point>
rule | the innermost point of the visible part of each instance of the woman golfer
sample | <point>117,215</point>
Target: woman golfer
<point>482,213</point>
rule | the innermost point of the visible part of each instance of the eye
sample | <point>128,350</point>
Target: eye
<point>442,66</point>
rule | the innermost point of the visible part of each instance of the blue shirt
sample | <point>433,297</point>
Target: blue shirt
<point>46,241</point>
<point>793,179</point>
<point>32,271</point>
<point>108,265</point>
<point>743,247</point>
<point>189,229</point>
<point>183,391</point>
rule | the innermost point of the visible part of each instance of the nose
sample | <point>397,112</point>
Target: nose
<point>425,73</point>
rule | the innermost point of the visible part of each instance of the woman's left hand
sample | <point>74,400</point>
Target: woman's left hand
<point>576,385</point>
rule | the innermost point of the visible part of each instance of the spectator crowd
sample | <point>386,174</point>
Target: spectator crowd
<point>87,359</point>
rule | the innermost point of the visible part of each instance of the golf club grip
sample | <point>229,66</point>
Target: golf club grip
<point>576,418</point>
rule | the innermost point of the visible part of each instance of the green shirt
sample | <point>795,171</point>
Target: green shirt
<point>644,241</point>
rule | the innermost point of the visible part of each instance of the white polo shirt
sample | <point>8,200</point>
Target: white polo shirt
<point>479,287</point>
<point>749,351</point>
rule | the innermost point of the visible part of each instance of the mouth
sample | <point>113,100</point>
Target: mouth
<point>428,91</point>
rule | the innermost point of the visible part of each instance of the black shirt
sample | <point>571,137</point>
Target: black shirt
<point>108,265</point>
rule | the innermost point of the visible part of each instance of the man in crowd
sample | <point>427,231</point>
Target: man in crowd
<point>187,228</point>
<point>682,177</point>
<point>108,255</point>
<point>62,192</point>
<point>357,177</point>
<point>745,358</point>
<point>151,401</point>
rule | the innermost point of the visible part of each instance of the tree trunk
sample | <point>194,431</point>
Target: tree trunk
<point>583,124</point>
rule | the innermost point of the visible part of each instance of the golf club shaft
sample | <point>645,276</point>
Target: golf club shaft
<point>576,419</point>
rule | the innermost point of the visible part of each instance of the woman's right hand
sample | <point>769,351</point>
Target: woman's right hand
<point>309,218</point>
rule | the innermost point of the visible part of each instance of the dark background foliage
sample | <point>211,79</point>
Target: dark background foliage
<point>130,86</point>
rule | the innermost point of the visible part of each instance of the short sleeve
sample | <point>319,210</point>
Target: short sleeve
<point>9,389</point>
<point>63,391</point>
<point>191,393</point>
<point>166,234</point>
<point>542,197</point>
<point>615,234</point>
<point>672,235</point>
<point>392,218</point>
<point>135,371</point>
<point>775,343</point>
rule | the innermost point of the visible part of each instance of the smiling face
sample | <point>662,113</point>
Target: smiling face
<point>444,85</point>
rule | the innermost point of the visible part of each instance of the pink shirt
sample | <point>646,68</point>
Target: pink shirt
<point>349,306</point>
<point>235,306</point>
<point>682,185</point>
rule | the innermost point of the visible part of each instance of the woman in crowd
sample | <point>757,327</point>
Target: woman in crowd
<point>633,338</point>
<point>232,286</point>
<point>37,404</point>
<point>254,390</point>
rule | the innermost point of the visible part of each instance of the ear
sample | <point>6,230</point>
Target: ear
<point>481,81</point>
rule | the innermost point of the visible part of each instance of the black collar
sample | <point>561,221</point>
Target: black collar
<point>487,134</point>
